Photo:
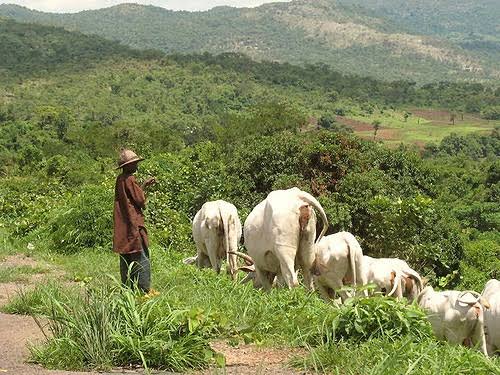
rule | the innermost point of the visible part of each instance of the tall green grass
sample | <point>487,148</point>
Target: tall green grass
<point>34,301</point>
<point>104,326</point>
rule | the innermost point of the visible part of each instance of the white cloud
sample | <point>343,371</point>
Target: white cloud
<point>78,5</point>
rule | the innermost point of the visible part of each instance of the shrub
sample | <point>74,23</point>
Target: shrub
<point>415,229</point>
<point>84,221</point>
<point>481,262</point>
<point>364,319</point>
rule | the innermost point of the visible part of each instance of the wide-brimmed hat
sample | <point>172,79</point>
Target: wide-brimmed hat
<point>127,157</point>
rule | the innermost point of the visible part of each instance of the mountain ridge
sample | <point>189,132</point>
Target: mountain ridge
<point>300,32</point>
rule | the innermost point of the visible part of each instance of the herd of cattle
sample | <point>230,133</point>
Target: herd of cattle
<point>279,236</point>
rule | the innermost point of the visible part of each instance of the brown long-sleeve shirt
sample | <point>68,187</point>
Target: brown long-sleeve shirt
<point>128,219</point>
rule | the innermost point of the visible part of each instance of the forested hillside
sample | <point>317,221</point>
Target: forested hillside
<point>464,21</point>
<point>32,49</point>
<point>349,37</point>
<point>227,127</point>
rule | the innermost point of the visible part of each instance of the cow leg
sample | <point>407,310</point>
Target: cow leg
<point>280,282</point>
<point>212,249</point>
<point>202,260</point>
<point>478,337</point>
<point>337,284</point>
<point>286,257</point>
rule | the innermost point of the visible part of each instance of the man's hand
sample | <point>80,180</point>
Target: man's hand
<point>148,182</point>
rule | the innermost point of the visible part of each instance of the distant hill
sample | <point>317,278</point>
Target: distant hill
<point>392,39</point>
<point>31,48</point>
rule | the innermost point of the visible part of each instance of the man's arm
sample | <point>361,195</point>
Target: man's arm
<point>148,182</point>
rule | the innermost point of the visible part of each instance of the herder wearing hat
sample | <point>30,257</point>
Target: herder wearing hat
<point>130,238</point>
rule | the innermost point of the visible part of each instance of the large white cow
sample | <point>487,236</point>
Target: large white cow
<point>216,232</point>
<point>279,236</point>
<point>339,259</point>
<point>393,276</point>
<point>455,316</point>
<point>491,293</point>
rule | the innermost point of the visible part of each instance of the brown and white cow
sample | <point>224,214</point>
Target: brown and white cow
<point>392,276</point>
<point>457,317</point>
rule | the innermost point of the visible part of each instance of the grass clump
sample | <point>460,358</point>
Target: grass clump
<point>36,301</point>
<point>108,326</point>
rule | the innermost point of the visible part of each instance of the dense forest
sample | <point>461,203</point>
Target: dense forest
<point>227,127</point>
<point>366,39</point>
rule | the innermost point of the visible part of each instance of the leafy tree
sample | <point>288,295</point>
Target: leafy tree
<point>376,126</point>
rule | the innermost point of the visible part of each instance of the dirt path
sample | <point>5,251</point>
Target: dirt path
<point>17,331</point>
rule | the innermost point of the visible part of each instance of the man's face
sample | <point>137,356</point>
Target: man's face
<point>130,168</point>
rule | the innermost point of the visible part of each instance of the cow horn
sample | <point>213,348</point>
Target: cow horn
<point>474,293</point>
<point>247,258</point>
<point>190,260</point>
<point>247,269</point>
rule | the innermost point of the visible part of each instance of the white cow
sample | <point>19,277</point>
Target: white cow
<point>338,258</point>
<point>491,293</point>
<point>216,232</point>
<point>279,236</point>
<point>455,316</point>
<point>393,276</point>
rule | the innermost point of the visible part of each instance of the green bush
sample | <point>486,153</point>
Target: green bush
<point>365,319</point>
<point>26,201</point>
<point>481,261</point>
<point>414,229</point>
<point>84,221</point>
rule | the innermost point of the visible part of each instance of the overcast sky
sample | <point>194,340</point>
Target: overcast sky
<point>77,5</point>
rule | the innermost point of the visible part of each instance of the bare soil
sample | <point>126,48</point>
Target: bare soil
<point>250,359</point>
<point>18,331</point>
<point>360,126</point>
<point>357,126</point>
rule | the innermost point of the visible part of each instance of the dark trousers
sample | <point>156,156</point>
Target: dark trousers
<point>135,268</point>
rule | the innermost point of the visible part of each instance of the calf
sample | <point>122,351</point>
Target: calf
<point>339,259</point>
<point>393,276</point>
<point>456,317</point>
<point>491,293</point>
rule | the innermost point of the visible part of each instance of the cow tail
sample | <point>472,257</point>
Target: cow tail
<point>309,199</point>
<point>415,276</point>
<point>225,228</point>
<point>352,260</point>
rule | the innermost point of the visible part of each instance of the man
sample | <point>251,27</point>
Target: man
<point>130,238</point>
